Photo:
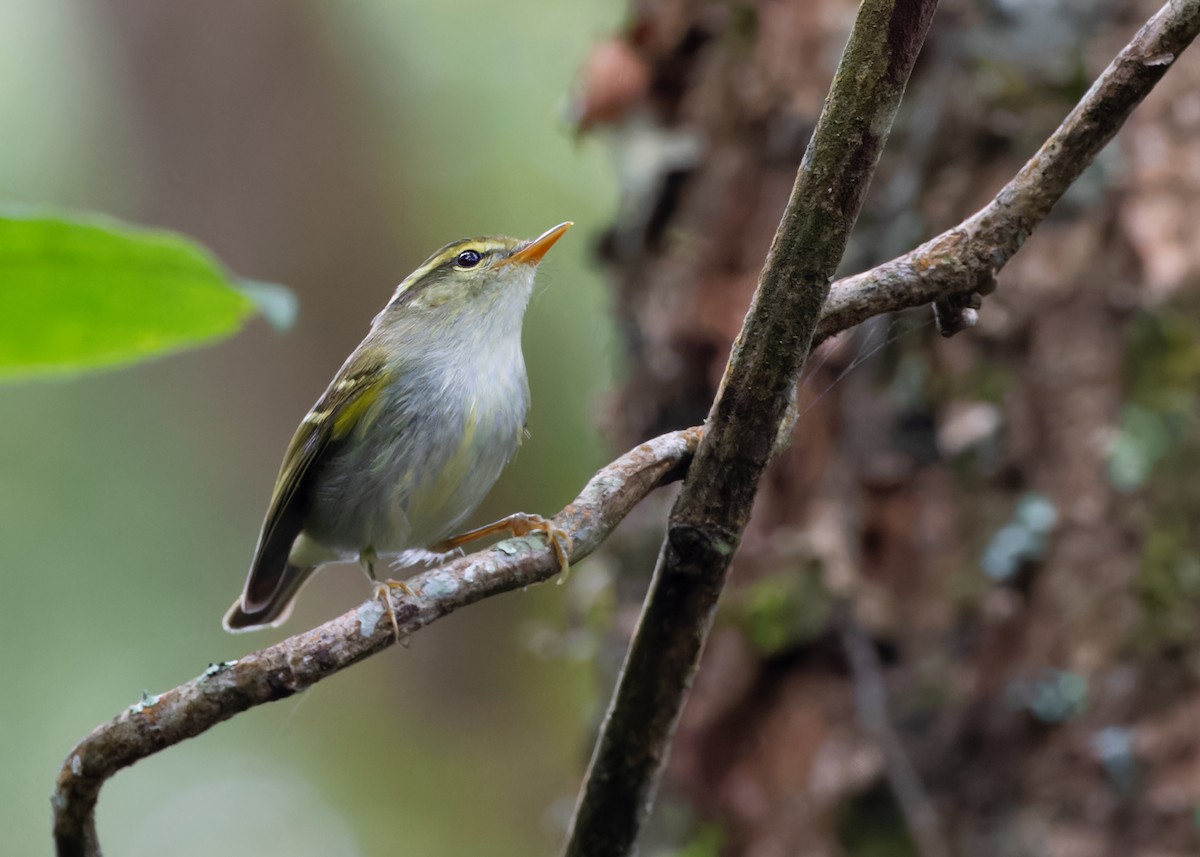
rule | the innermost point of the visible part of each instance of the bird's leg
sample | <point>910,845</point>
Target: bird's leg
<point>382,591</point>
<point>520,524</point>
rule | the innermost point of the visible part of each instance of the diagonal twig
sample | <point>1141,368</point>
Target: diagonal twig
<point>870,699</point>
<point>965,259</point>
<point>298,662</point>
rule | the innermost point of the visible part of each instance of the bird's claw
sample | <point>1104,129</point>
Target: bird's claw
<point>522,524</point>
<point>383,594</point>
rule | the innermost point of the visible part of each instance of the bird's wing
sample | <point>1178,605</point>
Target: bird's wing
<point>340,409</point>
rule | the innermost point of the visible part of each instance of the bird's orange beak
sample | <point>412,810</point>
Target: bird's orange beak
<point>533,251</point>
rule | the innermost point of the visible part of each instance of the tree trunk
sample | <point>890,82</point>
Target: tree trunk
<point>1009,516</point>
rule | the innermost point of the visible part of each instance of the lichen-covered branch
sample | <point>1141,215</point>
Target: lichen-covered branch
<point>965,259</point>
<point>710,514</point>
<point>298,662</point>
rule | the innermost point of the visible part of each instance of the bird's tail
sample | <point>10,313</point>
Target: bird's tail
<point>249,613</point>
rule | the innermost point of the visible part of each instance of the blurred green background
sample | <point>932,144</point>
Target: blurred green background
<point>331,147</point>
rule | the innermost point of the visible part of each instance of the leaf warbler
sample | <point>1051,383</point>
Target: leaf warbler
<point>412,432</point>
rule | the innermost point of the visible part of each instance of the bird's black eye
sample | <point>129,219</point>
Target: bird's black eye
<point>467,259</point>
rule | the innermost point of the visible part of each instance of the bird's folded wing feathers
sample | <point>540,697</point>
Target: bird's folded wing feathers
<point>344,404</point>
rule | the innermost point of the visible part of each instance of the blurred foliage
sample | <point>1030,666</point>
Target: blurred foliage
<point>130,501</point>
<point>1163,366</point>
<point>1159,433</point>
<point>1170,583</point>
<point>783,609</point>
<point>1023,539</point>
<point>872,825</point>
<point>1054,696</point>
<point>1143,439</point>
<point>1114,747</point>
<point>1163,379</point>
<point>985,380</point>
<point>85,294</point>
<point>706,843</point>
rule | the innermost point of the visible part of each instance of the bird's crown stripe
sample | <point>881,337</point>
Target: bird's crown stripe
<point>446,254</point>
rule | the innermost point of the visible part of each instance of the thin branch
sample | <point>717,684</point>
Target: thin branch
<point>870,696</point>
<point>297,663</point>
<point>965,259</point>
<point>708,518</point>
<point>949,264</point>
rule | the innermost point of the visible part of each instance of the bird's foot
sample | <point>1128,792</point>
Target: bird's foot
<point>520,524</point>
<point>383,594</point>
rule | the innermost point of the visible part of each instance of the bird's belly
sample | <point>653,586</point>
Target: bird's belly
<point>416,486</point>
<point>437,506</point>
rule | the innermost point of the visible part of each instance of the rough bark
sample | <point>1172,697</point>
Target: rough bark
<point>706,523</point>
<point>906,478</point>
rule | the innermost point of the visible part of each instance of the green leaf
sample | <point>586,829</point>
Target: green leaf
<point>85,294</point>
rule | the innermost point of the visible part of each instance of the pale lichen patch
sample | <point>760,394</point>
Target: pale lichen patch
<point>148,700</point>
<point>439,585</point>
<point>369,615</point>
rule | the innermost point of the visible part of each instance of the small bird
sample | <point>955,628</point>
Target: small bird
<point>412,432</point>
